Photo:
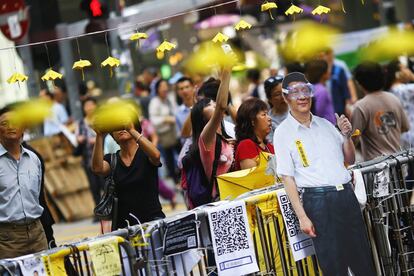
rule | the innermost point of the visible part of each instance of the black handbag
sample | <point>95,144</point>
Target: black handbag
<point>107,207</point>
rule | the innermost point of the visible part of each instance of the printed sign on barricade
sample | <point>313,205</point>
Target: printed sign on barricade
<point>181,235</point>
<point>300,243</point>
<point>105,257</point>
<point>381,183</point>
<point>232,242</point>
<point>32,265</point>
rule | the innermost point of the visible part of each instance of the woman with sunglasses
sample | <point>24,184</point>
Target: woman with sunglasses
<point>253,124</point>
<point>278,107</point>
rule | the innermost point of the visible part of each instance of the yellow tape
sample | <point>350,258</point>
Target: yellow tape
<point>302,153</point>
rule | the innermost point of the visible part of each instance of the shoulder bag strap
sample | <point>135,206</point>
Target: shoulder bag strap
<point>113,164</point>
<point>217,154</point>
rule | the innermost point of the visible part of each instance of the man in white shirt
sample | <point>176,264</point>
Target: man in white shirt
<point>310,154</point>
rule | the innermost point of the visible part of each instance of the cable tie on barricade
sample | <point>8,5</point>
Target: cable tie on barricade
<point>140,227</point>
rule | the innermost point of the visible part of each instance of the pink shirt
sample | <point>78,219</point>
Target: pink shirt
<point>207,157</point>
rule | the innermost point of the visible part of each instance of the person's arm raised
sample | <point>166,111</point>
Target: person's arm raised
<point>99,165</point>
<point>149,148</point>
<point>209,131</point>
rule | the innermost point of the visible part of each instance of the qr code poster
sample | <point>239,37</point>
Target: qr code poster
<point>232,242</point>
<point>300,243</point>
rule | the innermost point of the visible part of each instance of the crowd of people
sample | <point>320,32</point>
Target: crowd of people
<point>305,114</point>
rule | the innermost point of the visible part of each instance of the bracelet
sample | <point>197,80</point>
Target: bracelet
<point>139,137</point>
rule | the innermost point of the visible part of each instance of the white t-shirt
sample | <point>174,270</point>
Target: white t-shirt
<point>322,160</point>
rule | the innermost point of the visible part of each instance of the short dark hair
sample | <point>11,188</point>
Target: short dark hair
<point>315,69</point>
<point>209,88</point>
<point>370,76</point>
<point>9,107</point>
<point>390,73</point>
<point>294,66</point>
<point>247,113</point>
<point>158,83</point>
<point>253,74</point>
<point>183,79</point>
<point>88,99</point>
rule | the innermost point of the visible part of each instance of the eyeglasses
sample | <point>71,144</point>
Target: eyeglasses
<point>298,91</point>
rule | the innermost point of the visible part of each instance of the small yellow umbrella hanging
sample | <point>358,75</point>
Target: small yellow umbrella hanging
<point>319,10</point>
<point>138,36</point>
<point>165,46</point>
<point>51,76</point>
<point>219,37</point>
<point>242,25</point>
<point>17,77</point>
<point>80,64</point>
<point>293,9</point>
<point>111,62</point>
<point>268,6</point>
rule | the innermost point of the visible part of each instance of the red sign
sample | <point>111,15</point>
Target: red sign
<point>14,19</point>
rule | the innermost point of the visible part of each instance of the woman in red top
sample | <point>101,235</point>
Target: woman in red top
<point>253,124</point>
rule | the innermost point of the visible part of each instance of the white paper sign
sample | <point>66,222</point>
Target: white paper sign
<point>381,181</point>
<point>32,265</point>
<point>300,243</point>
<point>233,245</point>
<point>14,26</point>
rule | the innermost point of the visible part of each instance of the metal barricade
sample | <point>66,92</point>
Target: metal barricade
<point>389,218</point>
<point>389,221</point>
<point>73,259</point>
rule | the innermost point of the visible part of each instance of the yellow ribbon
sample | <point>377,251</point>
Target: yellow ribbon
<point>302,153</point>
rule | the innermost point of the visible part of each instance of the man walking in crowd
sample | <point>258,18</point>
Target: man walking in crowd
<point>310,154</point>
<point>340,84</point>
<point>21,231</point>
<point>379,115</point>
<point>186,92</point>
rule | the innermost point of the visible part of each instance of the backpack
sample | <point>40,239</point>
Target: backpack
<point>194,179</point>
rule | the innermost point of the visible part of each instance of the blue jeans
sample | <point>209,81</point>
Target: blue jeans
<point>341,239</point>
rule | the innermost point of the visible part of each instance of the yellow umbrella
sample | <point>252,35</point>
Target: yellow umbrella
<point>219,37</point>
<point>320,10</point>
<point>242,25</point>
<point>209,56</point>
<point>268,6</point>
<point>17,77</point>
<point>293,9</point>
<point>80,64</point>
<point>392,44</point>
<point>165,46</point>
<point>111,62</point>
<point>30,113</point>
<point>308,40</point>
<point>114,116</point>
<point>51,75</point>
<point>138,36</point>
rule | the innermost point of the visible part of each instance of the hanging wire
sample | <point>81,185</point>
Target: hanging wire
<point>77,44</point>
<point>119,27</point>
<point>107,44</point>
<point>48,57</point>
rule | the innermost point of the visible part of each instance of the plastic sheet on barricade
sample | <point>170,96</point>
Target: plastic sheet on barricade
<point>236,183</point>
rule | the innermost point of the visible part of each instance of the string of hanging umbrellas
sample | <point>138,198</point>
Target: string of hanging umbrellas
<point>165,46</point>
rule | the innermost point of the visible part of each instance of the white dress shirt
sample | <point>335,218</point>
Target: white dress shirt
<point>321,144</point>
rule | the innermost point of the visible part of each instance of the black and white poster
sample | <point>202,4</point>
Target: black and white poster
<point>181,235</point>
